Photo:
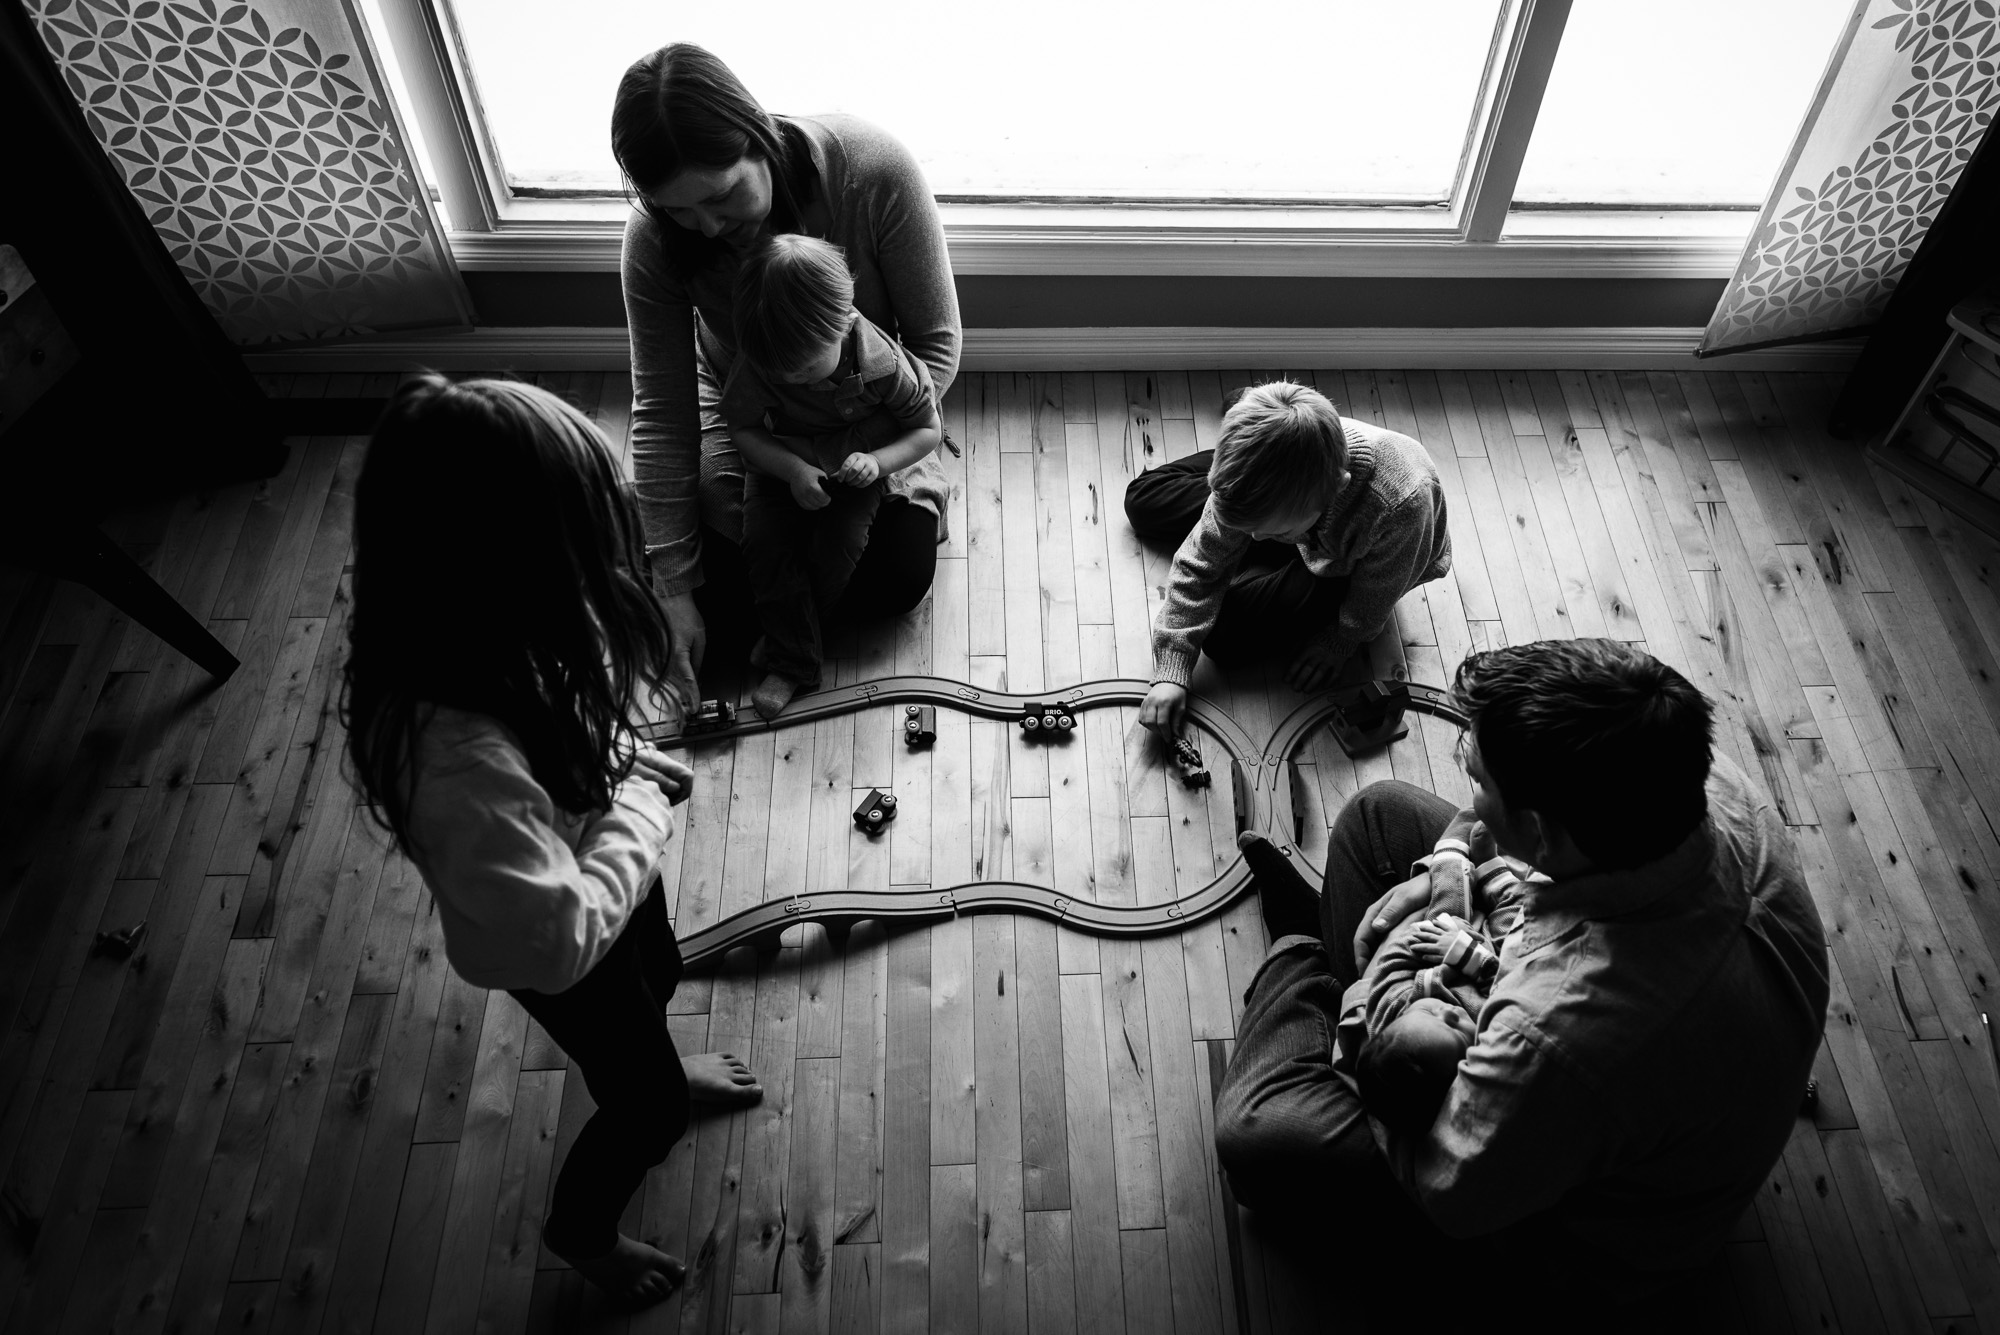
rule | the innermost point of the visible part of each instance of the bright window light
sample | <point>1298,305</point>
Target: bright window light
<point>1692,104</point>
<point>1318,101</point>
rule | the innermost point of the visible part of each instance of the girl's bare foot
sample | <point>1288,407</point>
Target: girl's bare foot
<point>773,694</point>
<point>632,1273</point>
<point>721,1077</point>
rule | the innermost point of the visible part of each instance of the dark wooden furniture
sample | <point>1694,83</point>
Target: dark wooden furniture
<point>1946,442</point>
<point>49,533</point>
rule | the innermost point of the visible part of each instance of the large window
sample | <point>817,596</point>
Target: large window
<point>1687,105</point>
<point>1348,129</point>
<point>1295,100</point>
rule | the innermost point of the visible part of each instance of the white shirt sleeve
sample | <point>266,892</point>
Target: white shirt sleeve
<point>522,908</point>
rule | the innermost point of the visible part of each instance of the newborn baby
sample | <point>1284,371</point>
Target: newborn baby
<point>1405,1070</point>
<point>1406,1066</point>
<point>1408,1020</point>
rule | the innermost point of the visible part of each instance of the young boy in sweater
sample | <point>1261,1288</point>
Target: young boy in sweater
<point>1297,534</point>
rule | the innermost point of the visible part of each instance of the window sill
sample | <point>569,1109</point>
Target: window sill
<point>583,236</point>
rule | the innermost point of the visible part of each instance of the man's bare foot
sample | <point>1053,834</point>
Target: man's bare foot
<point>773,694</point>
<point>721,1077</point>
<point>632,1273</point>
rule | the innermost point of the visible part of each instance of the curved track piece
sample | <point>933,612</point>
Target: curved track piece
<point>1291,734</point>
<point>946,693</point>
<point>1258,776</point>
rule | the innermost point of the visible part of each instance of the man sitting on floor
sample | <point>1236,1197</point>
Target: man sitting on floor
<point>1297,535</point>
<point>1636,1069</point>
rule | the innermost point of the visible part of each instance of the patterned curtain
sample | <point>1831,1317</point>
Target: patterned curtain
<point>261,141</point>
<point>1904,102</point>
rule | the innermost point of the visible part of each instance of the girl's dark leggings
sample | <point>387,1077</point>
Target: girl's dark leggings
<point>613,1026</point>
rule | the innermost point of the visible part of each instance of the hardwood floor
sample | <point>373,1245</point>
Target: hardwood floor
<point>283,1112</point>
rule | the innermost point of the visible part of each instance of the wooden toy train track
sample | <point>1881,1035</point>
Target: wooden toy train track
<point>1364,716</point>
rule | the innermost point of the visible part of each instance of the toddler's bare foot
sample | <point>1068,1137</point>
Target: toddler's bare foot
<point>721,1077</point>
<point>772,695</point>
<point>632,1273</point>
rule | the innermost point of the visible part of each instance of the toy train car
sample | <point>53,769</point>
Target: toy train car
<point>1048,722</point>
<point>919,725</point>
<point>876,811</point>
<point>708,716</point>
<point>1194,771</point>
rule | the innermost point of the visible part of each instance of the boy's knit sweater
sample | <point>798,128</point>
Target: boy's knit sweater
<point>1385,531</point>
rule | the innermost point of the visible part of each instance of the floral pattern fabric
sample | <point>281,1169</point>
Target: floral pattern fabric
<point>260,140</point>
<point>1896,119</point>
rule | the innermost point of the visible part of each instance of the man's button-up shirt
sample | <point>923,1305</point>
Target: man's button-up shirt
<point>1639,1062</point>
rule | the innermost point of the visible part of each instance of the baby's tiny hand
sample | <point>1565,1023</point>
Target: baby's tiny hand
<point>860,469</point>
<point>1427,939</point>
<point>809,492</point>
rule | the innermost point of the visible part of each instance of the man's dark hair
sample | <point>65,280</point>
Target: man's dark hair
<point>1600,737</point>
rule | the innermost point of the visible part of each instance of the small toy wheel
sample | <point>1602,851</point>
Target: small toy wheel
<point>1031,723</point>
<point>909,711</point>
<point>888,803</point>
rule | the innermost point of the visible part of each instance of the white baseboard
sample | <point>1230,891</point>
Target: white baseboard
<point>554,348</point>
<point>1133,348</point>
<point>1167,348</point>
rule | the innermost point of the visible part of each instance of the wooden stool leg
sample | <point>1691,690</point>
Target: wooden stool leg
<point>70,547</point>
<point>102,566</point>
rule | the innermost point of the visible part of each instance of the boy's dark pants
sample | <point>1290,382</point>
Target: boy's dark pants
<point>799,563</point>
<point>613,1027</point>
<point>1274,603</point>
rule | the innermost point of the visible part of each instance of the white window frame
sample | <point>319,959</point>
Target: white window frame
<point>1474,236</point>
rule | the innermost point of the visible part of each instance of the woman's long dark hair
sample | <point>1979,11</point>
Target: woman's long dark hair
<point>681,108</point>
<point>498,568</point>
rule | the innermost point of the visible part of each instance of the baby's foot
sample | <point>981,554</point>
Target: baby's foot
<point>772,695</point>
<point>721,1077</point>
<point>632,1273</point>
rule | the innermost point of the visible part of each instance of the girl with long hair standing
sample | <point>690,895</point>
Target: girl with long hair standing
<point>502,630</point>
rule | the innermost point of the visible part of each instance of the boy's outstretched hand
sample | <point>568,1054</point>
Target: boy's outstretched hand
<point>859,469</point>
<point>1163,709</point>
<point>808,491</point>
<point>1314,668</point>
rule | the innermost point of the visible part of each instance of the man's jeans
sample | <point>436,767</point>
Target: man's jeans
<point>1289,1131</point>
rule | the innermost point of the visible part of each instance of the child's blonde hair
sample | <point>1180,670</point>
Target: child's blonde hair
<point>794,296</point>
<point>1282,447</point>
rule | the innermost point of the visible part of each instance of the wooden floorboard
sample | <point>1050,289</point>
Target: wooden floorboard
<point>283,1112</point>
